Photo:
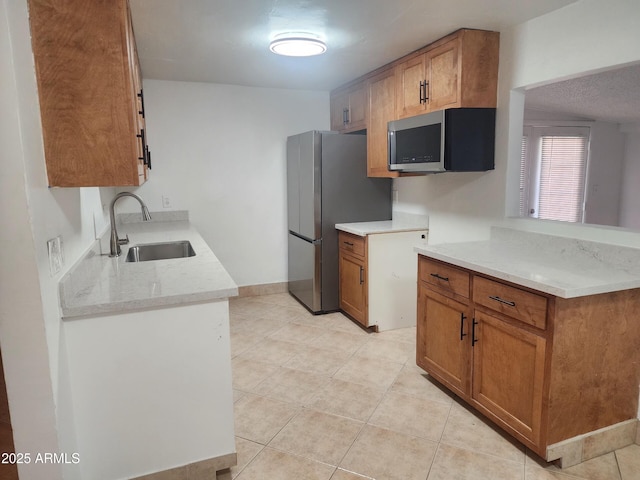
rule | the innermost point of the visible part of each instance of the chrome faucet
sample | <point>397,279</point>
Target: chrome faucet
<point>115,241</point>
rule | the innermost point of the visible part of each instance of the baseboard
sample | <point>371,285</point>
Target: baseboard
<point>579,449</point>
<point>262,289</point>
<point>195,471</point>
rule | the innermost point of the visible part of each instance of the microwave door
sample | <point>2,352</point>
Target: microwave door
<point>416,144</point>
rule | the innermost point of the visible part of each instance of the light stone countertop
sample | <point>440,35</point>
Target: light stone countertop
<point>98,284</point>
<point>559,266</point>
<point>363,229</point>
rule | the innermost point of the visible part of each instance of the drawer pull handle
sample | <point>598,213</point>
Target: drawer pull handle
<point>462,319</point>
<point>349,243</point>
<point>506,302</point>
<point>446,279</point>
<point>474,339</point>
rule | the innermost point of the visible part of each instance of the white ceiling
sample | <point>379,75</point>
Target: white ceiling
<point>611,96</point>
<point>226,41</point>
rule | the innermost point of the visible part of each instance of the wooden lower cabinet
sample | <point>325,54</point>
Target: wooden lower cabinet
<point>441,331</point>
<point>353,287</point>
<point>377,272</point>
<point>352,265</point>
<point>508,373</point>
<point>545,369</point>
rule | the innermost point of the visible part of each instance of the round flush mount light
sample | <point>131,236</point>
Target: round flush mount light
<point>297,45</point>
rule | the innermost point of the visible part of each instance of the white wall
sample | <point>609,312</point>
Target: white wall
<point>630,198</point>
<point>219,152</point>
<point>30,324</point>
<point>604,175</point>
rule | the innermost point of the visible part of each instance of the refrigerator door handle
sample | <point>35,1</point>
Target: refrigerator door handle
<point>306,239</point>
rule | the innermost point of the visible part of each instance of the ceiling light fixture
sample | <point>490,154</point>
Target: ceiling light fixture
<point>297,45</point>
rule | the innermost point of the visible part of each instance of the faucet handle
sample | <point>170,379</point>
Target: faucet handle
<point>123,241</point>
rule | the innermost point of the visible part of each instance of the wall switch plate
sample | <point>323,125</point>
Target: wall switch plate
<point>56,255</point>
<point>166,202</point>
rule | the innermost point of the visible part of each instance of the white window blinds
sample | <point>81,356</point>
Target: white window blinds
<point>562,176</point>
<point>523,176</point>
<point>553,172</point>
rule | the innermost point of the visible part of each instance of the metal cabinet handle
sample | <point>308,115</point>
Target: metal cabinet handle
<point>345,116</point>
<point>445,279</point>
<point>462,319</point>
<point>143,141</point>
<point>141,97</point>
<point>361,275</point>
<point>348,243</point>
<point>422,99</point>
<point>474,340</point>
<point>506,302</point>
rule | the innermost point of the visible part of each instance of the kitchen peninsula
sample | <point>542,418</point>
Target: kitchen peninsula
<point>148,352</point>
<point>540,334</point>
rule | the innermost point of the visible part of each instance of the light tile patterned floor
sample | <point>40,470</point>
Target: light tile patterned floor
<point>319,398</point>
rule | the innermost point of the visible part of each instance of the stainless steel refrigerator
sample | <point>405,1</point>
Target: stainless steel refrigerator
<point>327,183</point>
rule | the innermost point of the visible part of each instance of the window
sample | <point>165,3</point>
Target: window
<point>553,172</point>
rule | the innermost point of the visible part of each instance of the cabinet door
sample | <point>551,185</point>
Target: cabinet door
<point>353,287</point>
<point>87,101</point>
<point>443,333</point>
<point>410,76</point>
<point>143,155</point>
<point>442,65</point>
<point>508,373</point>
<point>339,106</point>
<point>381,110</point>
<point>357,107</point>
<point>348,109</point>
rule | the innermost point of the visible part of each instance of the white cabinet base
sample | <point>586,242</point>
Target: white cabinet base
<point>393,272</point>
<point>151,390</point>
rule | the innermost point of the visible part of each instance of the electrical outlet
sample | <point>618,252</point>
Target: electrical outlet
<point>166,202</point>
<point>56,255</point>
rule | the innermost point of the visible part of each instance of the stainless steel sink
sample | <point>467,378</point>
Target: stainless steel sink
<point>160,251</point>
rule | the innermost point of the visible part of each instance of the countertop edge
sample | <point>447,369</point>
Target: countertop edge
<point>361,231</point>
<point>526,282</point>
<point>134,305</point>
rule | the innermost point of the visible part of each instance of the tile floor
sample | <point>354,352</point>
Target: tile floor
<point>317,397</point>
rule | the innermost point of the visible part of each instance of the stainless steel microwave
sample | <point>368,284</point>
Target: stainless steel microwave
<point>451,140</point>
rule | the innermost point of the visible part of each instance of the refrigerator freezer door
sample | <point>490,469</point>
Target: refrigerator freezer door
<point>305,271</point>
<point>304,183</point>
<point>348,195</point>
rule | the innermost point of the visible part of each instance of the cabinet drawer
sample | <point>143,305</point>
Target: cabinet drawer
<point>447,278</point>
<point>514,302</point>
<point>352,243</point>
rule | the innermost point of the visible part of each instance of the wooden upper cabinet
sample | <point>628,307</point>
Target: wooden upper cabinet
<point>348,108</point>
<point>381,110</point>
<point>460,70</point>
<point>443,84</point>
<point>410,79</point>
<point>90,93</point>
